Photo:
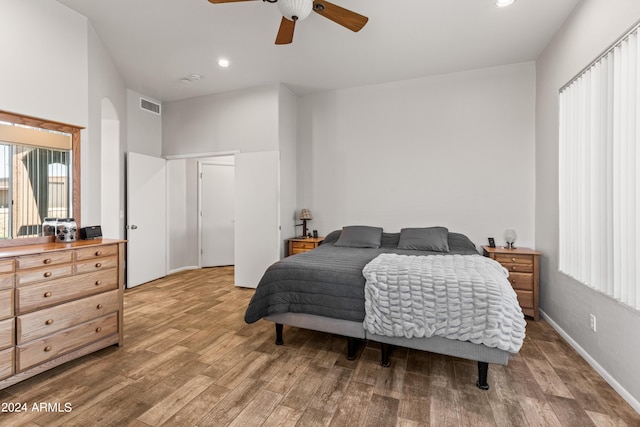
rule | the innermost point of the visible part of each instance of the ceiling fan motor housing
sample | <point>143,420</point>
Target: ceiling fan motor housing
<point>295,10</point>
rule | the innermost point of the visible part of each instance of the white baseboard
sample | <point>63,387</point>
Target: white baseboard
<point>188,267</point>
<point>635,404</point>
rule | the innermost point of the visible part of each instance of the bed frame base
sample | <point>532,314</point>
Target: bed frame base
<point>351,342</point>
<point>385,349</point>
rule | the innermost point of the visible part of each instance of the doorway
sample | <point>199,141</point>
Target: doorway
<point>217,216</point>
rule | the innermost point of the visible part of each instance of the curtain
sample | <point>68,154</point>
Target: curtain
<point>599,193</point>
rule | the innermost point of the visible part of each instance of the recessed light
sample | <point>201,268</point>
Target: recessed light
<point>223,62</point>
<point>503,3</point>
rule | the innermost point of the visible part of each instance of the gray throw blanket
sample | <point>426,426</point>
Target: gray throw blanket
<point>461,297</point>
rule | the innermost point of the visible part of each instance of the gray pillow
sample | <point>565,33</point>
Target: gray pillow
<point>424,239</point>
<point>360,236</point>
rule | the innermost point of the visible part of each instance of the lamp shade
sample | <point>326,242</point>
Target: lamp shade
<point>305,214</point>
<point>295,9</point>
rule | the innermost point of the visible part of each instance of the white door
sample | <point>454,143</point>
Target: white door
<point>146,219</point>
<point>217,216</point>
<point>257,213</point>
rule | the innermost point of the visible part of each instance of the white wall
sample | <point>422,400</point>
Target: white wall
<point>44,61</point>
<point>287,128</point>
<point>144,128</point>
<point>455,150</point>
<point>245,120</point>
<point>615,347</point>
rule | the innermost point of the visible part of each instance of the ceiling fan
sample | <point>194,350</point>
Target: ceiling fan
<point>297,10</point>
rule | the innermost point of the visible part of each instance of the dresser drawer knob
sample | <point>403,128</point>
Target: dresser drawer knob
<point>513,259</point>
<point>47,348</point>
<point>49,322</point>
<point>513,267</point>
<point>98,329</point>
<point>47,274</point>
<point>98,282</point>
<point>47,294</point>
<point>48,261</point>
<point>98,253</point>
<point>99,306</point>
<point>98,264</point>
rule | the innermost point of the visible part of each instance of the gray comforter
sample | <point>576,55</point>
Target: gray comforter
<point>328,281</point>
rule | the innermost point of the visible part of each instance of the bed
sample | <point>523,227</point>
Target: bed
<point>325,290</point>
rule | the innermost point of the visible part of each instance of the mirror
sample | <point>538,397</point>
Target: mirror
<point>39,176</point>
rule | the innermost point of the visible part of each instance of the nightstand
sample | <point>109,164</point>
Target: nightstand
<point>522,264</point>
<point>299,245</point>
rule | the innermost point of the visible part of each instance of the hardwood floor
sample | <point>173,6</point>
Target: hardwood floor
<point>189,359</point>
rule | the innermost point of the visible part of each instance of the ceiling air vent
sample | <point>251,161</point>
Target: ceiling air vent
<point>150,106</point>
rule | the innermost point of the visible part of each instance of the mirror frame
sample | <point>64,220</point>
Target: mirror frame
<point>74,131</point>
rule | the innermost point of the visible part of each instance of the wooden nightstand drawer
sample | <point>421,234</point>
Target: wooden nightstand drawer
<point>44,322</point>
<point>521,281</point>
<point>45,294</point>
<point>6,362</point>
<point>303,245</point>
<point>525,298</point>
<point>41,350</point>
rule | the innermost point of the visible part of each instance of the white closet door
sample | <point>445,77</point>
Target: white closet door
<point>257,213</point>
<point>146,219</point>
<point>218,221</point>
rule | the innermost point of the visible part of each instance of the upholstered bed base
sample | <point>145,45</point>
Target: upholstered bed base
<point>465,350</point>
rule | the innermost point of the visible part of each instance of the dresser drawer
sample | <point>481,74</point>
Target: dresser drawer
<point>96,252</point>
<point>522,281</point>
<point>6,280</point>
<point>40,260</point>
<point>6,303</point>
<point>6,363</point>
<point>46,273</point>
<point>96,264</point>
<point>6,266</point>
<point>44,322</point>
<point>41,350</point>
<point>7,333</point>
<point>45,294</point>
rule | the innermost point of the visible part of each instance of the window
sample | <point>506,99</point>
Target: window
<point>39,175</point>
<point>599,159</point>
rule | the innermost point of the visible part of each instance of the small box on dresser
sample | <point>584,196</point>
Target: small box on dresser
<point>522,264</point>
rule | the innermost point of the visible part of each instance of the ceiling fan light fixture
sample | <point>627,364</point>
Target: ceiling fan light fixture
<point>295,10</point>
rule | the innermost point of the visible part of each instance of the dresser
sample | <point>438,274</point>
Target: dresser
<point>58,302</point>
<point>522,264</point>
<point>300,245</point>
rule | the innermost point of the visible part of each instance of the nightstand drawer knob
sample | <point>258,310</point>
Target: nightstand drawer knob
<point>98,329</point>
<point>99,306</point>
<point>49,322</point>
<point>47,294</point>
<point>47,348</point>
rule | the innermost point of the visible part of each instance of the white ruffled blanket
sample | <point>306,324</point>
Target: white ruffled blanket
<point>461,297</point>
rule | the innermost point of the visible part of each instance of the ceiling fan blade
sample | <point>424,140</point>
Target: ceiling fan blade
<point>339,15</point>
<point>226,1</point>
<point>285,33</point>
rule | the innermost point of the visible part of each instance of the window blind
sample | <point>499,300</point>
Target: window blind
<point>599,183</point>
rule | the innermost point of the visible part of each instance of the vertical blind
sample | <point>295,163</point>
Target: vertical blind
<point>599,192</point>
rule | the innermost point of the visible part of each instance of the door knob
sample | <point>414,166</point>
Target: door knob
<point>132,227</point>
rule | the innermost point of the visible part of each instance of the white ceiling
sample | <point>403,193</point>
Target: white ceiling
<point>156,43</point>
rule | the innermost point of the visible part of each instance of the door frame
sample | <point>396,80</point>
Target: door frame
<point>212,160</point>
